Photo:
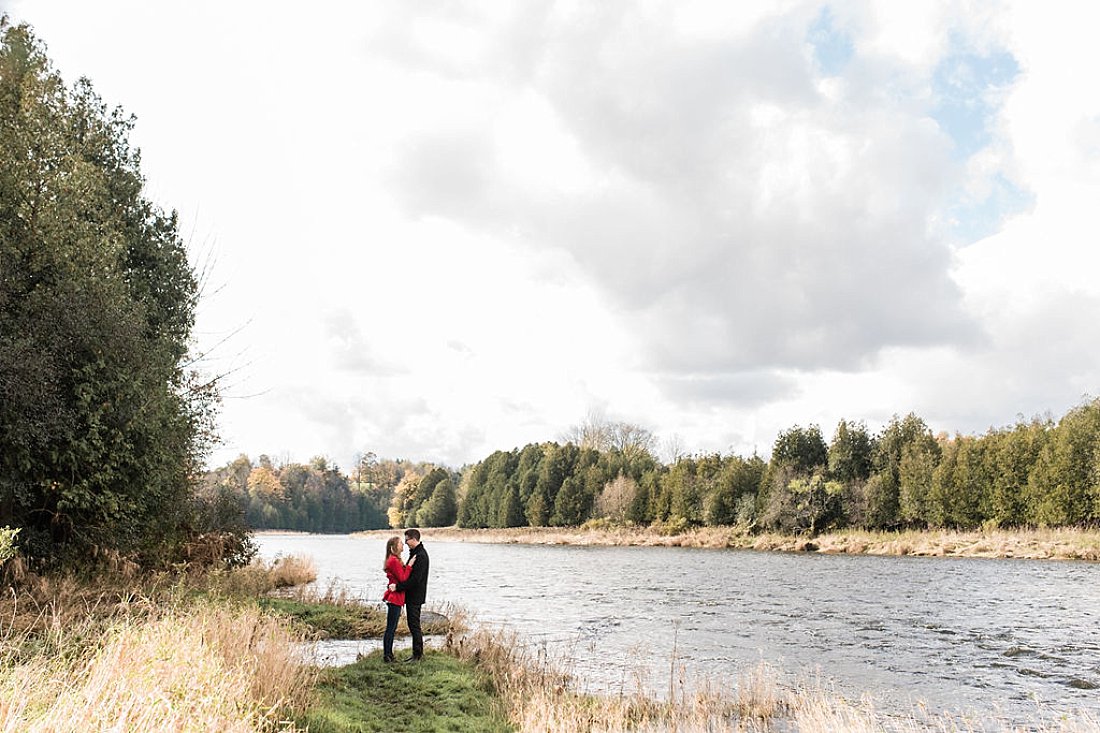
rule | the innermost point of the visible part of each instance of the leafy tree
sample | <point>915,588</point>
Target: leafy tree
<point>803,449</point>
<point>1063,486</point>
<point>537,510</point>
<point>737,484</point>
<point>264,484</point>
<point>639,510</point>
<point>849,457</point>
<point>882,491</point>
<point>684,491</point>
<point>1011,456</point>
<point>404,504</point>
<point>915,478</point>
<point>102,427</point>
<point>527,472</point>
<point>556,465</point>
<point>441,509</point>
<point>572,504</point>
<point>511,510</point>
<point>962,485</point>
<point>814,503</point>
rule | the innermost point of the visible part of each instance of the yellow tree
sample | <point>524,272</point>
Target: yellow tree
<point>264,484</point>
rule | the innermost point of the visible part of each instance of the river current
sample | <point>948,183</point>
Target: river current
<point>1016,639</point>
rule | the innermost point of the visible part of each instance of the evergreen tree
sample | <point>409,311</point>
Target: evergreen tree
<point>441,509</point>
<point>1063,486</point>
<point>850,452</point>
<point>101,425</point>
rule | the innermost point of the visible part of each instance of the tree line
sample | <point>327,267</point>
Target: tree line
<point>318,497</point>
<point>1035,473</point>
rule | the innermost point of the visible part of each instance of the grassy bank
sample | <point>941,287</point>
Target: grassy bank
<point>441,693</point>
<point>211,651</point>
<point>331,616</point>
<point>1044,544</point>
<point>215,652</point>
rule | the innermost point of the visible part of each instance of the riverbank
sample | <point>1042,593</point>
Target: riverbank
<point>198,651</point>
<point>172,653</point>
<point>1035,544</point>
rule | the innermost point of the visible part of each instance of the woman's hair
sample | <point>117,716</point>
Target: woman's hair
<point>391,549</point>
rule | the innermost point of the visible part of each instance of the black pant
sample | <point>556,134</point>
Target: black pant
<point>393,615</point>
<point>412,616</point>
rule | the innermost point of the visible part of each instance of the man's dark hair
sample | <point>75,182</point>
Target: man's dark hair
<point>412,534</point>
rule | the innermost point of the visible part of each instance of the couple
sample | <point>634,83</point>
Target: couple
<point>408,585</point>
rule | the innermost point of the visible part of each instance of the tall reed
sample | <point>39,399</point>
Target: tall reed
<point>538,697</point>
<point>201,668</point>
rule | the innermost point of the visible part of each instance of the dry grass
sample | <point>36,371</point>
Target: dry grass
<point>259,577</point>
<point>538,698</point>
<point>39,603</point>
<point>204,668</point>
<point>138,652</point>
<point>1051,543</point>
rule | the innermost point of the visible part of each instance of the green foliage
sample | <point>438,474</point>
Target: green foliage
<point>803,449</point>
<point>915,474</point>
<point>1030,473</point>
<point>639,511</point>
<point>961,485</point>
<point>331,620</point>
<point>8,547</point>
<point>737,484</point>
<point>879,501</point>
<point>1064,485</point>
<point>441,510</point>
<point>572,504</point>
<point>815,503</point>
<point>1012,454</point>
<point>101,426</point>
<point>850,453</point>
<point>313,497</point>
<point>883,489</point>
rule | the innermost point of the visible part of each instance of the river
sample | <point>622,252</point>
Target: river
<point>1012,638</point>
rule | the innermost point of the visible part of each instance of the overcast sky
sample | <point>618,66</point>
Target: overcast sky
<point>437,229</point>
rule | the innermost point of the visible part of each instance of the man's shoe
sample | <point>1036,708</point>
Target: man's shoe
<point>413,659</point>
<point>389,658</point>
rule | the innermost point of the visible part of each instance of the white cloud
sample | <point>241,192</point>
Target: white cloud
<point>451,229</point>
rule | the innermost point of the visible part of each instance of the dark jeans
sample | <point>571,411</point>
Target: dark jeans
<point>393,615</point>
<point>412,616</point>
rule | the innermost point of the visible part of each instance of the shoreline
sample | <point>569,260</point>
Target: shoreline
<point>1024,544</point>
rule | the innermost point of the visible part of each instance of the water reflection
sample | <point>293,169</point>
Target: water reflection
<point>968,635</point>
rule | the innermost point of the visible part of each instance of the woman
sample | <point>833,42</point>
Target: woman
<point>396,572</point>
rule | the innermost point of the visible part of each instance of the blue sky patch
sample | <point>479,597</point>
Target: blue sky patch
<point>972,220</point>
<point>966,88</point>
<point>832,48</point>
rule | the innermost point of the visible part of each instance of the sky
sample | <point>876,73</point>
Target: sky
<point>435,230</point>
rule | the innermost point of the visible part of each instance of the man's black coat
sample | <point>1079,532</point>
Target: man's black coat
<point>416,587</point>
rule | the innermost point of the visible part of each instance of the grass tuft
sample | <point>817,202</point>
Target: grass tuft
<point>441,693</point>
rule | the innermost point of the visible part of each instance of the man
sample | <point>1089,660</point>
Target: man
<point>415,589</point>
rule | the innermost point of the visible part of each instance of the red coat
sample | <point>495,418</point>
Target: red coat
<point>396,572</point>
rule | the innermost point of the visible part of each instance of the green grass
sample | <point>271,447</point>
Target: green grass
<point>438,694</point>
<point>332,620</point>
